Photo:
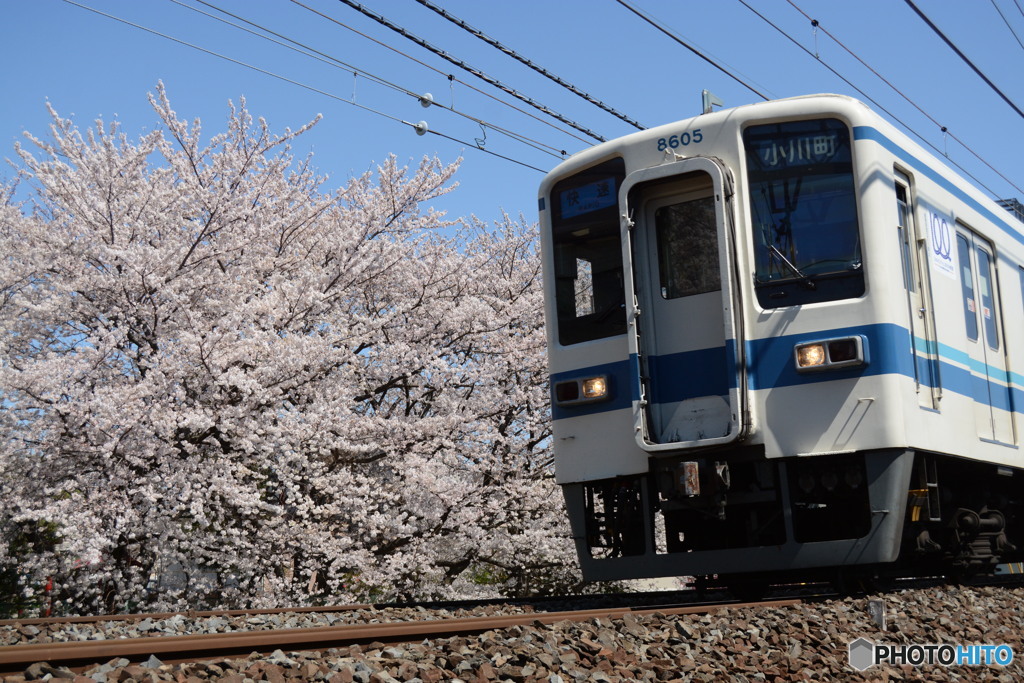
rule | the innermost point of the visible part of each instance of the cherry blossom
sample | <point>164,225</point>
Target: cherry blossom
<point>226,385</point>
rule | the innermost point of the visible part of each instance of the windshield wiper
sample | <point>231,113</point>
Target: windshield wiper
<point>807,282</point>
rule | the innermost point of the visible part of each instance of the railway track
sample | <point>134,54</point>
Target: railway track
<point>81,655</point>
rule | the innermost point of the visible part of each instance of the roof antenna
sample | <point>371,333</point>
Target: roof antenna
<point>710,101</point>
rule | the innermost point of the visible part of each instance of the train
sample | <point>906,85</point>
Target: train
<point>784,344</point>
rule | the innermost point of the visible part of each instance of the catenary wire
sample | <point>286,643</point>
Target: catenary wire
<point>523,60</point>
<point>691,48</point>
<point>295,45</point>
<point>909,101</point>
<point>286,79</point>
<point>451,77</point>
<point>476,72</point>
<point>306,50</point>
<point>1007,22</point>
<point>962,56</point>
<point>868,97</point>
<point>485,150</point>
<point>823,63</point>
<point>236,61</point>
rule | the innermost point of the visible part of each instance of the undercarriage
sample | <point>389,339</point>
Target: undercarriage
<point>749,520</point>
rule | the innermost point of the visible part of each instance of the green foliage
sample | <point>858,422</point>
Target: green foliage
<point>17,594</point>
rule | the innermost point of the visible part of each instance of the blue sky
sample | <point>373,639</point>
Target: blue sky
<point>90,66</point>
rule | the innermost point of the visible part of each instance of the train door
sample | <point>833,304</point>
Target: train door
<point>685,340</point>
<point>988,368</point>
<point>918,287</point>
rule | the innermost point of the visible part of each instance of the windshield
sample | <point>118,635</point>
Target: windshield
<point>589,292</point>
<point>804,212</point>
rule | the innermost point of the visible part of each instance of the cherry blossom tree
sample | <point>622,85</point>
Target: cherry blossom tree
<point>224,385</point>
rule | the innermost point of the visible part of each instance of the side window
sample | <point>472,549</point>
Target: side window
<point>584,288</point>
<point>903,228</point>
<point>963,248</point>
<point>1022,282</point>
<point>988,308</point>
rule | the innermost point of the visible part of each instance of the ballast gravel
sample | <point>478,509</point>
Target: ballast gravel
<point>807,641</point>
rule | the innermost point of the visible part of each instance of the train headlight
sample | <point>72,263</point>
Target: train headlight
<point>582,390</point>
<point>831,354</point>
<point>595,388</point>
<point>810,356</point>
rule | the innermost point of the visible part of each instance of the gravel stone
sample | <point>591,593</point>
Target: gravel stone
<point>808,641</point>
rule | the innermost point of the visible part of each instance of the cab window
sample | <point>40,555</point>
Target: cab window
<point>589,287</point>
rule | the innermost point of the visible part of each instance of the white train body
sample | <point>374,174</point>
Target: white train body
<point>762,351</point>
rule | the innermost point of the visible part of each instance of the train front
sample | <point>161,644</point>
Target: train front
<point>710,346</point>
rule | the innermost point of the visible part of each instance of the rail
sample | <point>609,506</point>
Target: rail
<point>79,655</point>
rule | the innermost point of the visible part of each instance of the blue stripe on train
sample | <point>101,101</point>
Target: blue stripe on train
<point>873,134</point>
<point>770,365</point>
<point>680,376</point>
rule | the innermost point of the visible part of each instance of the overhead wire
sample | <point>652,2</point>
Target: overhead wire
<point>294,45</point>
<point>945,131</point>
<point>656,24</point>
<point>414,126</point>
<point>479,146</point>
<point>942,128</point>
<point>533,65</point>
<point>303,49</point>
<point>485,150</point>
<point>451,77</point>
<point>237,61</point>
<point>823,63</point>
<point>384,21</point>
<point>880,106</point>
<point>1007,22</point>
<point>964,57</point>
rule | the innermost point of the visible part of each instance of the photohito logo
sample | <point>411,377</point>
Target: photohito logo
<point>865,654</point>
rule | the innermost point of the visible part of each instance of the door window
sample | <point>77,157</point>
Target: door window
<point>687,248</point>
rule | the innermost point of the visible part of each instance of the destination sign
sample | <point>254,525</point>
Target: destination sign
<point>786,146</point>
<point>594,196</point>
